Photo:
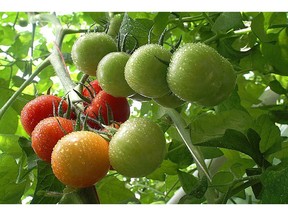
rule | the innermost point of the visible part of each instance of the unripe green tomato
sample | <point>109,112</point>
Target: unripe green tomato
<point>110,74</point>
<point>137,148</point>
<point>114,25</point>
<point>89,49</point>
<point>145,73</point>
<point>170,100</point>
<point>198,73</point>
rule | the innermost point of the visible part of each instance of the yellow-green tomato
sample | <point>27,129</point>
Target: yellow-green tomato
<point>89,49</point>
<point>146,70</point>
<point>198,73</point>
<point>137,148</point>
<point>110,74</point>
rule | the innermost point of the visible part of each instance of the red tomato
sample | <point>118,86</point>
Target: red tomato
<point>94,87</point>
<point>38,109</point>
<point>119,107</point>
<point>47,133</point>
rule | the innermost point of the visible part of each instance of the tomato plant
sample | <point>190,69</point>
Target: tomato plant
<point>80,159</point>
<point>207,123</point>
<point>47,133</point>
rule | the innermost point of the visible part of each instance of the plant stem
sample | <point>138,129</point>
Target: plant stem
<point>180,125</point>
<point>43,65</point>
<point>185,135</point>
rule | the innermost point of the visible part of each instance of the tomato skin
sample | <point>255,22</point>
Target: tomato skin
<point>145,73</point>
<point>94,87</point>
<point>209,82</point>
<point>119,106</point>
<point>137,148</point>
<point>47,133</point>
<point>80,159</point>
<point>38,109</point>
<point>89,49</point>
<point>110,74</point>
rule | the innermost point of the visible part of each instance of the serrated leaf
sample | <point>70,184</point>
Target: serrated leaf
<point>275,185</point>
<point>113,191</point>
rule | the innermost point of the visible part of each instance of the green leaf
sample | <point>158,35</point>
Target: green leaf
<point>236,140</point>
<point>275,184</point>
<point>8,35</point>
<point>210,126</point>
<point>276,86</point>
<point>222,181</point>
<point>137,30</point>
<point>113,191</point>
<point>227,21</point>
<point>192,185</point>
<point>268,131</point>
<point>10,191</point>
<point>9,145</point>
<point>179,153</point>
<point>277,53</point>
<point>46,183</point>
<point>167,167</point>
<point>259,28</point>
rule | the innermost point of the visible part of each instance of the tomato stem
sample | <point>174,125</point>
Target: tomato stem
<point>42,66</point>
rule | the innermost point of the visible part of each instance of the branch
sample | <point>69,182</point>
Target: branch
<point>42,66</point>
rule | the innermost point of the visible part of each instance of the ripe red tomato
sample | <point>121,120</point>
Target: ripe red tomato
<point>47,133</point>
<point>80,159</point>
<point>94,87</point>
<point>119,107</point>
<point>38,109</point>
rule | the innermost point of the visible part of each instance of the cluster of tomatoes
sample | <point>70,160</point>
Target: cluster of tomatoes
<point>194,72</point>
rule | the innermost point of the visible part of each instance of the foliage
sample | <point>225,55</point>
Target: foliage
<point>242,140</point>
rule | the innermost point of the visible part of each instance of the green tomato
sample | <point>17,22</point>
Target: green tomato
<point>114,25</point>
<point>110,74</point>
<point>198,73</point>
<point>137,148</point>
<point>145,71</point>
<point>89,49</point>
<point>170,100</point>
